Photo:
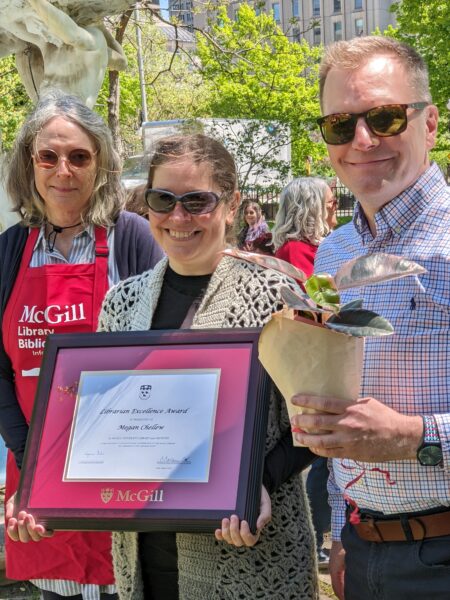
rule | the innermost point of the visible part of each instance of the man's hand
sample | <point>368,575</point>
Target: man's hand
<point>24,528</point>
<point>337,569</point>
<point>366,429</point>
<point>238,533</point>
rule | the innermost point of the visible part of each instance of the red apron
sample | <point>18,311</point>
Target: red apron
<point>53,299</point>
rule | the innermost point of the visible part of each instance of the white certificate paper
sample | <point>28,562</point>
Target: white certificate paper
<point>143,426</point>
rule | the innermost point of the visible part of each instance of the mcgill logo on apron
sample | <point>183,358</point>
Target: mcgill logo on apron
<point>53,314</point>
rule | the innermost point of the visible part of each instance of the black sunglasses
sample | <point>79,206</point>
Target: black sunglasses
<point>196,203</point>
<point>77,159</point>
<point>384,121</point>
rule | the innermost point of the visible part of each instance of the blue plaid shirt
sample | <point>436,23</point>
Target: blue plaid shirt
<point>410,370</point>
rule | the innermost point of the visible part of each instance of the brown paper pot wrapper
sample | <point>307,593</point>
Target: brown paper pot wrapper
<point>302,357</point>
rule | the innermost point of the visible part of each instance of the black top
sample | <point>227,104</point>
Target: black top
<point>178,292</point>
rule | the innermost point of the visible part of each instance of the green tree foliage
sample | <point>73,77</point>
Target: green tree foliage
<point>255,72</point>
<point>426,27</point>
<point>14,102</point>
<point>174,87</point>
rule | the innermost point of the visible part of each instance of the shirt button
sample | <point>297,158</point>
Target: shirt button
<point>397,229</point>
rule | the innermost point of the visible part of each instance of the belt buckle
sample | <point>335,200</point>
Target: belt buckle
<point>370,529</point>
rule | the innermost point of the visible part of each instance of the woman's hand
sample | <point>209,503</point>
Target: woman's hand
<point>23,528</point>
<point>238,533</point>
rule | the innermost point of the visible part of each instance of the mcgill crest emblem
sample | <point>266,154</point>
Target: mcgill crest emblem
<point>106,494</point>
<point>144,392</point>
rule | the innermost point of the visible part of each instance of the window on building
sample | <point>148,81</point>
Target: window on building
<point>359,27</point>
<point>295,8</point>
<point>257,10</point>
<point>337,31</point>
<point>337,6</point>
<point>317,36</point>
<point>276,11</point>
<point>316,8</point>
<point>358,4</point>
<point>296,34</point>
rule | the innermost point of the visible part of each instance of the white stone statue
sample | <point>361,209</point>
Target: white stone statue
<point>54,50</point>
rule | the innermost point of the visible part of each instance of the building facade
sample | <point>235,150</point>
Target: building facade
<point>316,21</point>
<point>183,11</point>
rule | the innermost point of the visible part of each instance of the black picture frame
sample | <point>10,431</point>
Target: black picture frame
<point>236,468</point>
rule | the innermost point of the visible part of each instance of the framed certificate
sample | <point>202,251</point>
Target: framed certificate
<point>141,431</point>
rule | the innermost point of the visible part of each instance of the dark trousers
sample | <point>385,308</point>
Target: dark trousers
<point>316,488</point>
<point>159,563</point>
<point>52,596</point>
<point>396,570</point>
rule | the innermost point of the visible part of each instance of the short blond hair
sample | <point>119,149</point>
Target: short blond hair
<point>354,53</point>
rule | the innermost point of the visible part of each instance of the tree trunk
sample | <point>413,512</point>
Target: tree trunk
<point>113,110</point>
<point>114,89</point>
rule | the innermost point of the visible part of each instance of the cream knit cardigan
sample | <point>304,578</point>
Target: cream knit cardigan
<point>281,566</point>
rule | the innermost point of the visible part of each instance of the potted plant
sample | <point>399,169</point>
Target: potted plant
<point>315,344</point>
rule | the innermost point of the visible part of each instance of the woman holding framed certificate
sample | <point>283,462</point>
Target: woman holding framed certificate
<point>192,198</point>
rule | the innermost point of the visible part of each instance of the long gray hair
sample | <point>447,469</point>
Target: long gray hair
<point>302,214</point>
<point>108,196</point>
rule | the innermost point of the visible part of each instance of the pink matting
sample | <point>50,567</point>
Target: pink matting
<point>49,491</point>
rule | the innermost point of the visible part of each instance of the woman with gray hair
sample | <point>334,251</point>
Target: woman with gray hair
<point>73,242</point>
<point>307,213</point>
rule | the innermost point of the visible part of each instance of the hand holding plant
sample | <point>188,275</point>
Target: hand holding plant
<point>314,347</point>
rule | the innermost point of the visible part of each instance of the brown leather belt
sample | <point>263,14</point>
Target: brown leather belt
<point>406,529</point>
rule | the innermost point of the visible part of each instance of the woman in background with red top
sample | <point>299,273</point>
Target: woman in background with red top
<point>306,215</point>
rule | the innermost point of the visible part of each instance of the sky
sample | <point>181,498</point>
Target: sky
<point>164,4</point>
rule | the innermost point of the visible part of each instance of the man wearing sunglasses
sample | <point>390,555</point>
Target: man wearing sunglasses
<point>390,481</point>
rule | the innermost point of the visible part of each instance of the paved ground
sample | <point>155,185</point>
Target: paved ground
<point>19,591</point>
<point>25,591</point>
<point>326,591</point>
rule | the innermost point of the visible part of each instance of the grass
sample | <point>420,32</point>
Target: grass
<point>326,590</point>
<point>343,220</point>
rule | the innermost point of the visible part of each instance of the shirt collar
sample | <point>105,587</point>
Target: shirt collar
<point>395,217</point>
<point>41,241</point>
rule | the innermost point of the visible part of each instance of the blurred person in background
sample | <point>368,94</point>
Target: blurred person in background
<point>135,202</point>
<point>306,215</point>
<point>254,235</point>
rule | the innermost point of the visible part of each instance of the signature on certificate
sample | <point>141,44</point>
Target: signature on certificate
<point>169,460</point>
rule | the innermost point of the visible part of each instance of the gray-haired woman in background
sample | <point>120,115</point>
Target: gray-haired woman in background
<point>307,213</point>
